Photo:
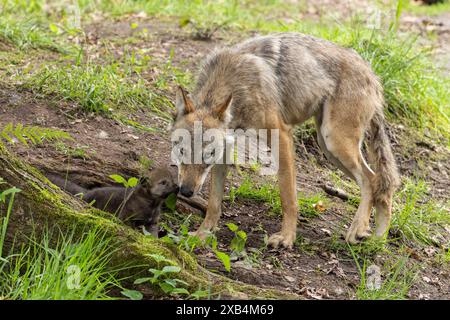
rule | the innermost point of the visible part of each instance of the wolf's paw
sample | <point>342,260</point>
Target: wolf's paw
<point>285,240</point>
<point>356,233</point>
<point>200,233</point>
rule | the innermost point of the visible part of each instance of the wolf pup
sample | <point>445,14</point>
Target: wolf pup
<point>279,81</point>
<point>137,207</point>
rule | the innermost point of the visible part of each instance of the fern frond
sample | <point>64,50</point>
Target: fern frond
<point>33,134</point>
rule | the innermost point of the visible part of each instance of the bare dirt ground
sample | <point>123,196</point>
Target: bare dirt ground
<point>320,267</point>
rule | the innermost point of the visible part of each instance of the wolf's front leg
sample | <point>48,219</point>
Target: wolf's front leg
<point>218,175</point>
<point>288,192</point>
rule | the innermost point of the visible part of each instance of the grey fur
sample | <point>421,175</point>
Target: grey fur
<point>279,81</point>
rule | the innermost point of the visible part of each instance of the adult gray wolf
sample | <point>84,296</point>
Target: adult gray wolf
<point>279,81</point>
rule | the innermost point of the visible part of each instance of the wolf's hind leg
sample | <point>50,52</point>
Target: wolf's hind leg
<point>342,147</point>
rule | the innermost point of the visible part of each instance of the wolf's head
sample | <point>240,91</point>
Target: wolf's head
<point>199,137</point>
<point>160,183</point>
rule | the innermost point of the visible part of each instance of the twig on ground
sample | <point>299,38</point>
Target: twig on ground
<point>335,192</point>
<point>196,202</point>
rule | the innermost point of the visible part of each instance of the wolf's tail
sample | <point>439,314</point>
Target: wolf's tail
<point>387,178</point>
<point>66,185</point>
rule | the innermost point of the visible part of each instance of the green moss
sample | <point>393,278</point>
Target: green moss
<point>54,207</point>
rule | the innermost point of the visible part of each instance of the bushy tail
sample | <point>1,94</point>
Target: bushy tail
<point>387,178</point>
<point>66,185</point>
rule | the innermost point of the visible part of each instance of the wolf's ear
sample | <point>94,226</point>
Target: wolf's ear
<point>222,111</point>
<point>183,103</point>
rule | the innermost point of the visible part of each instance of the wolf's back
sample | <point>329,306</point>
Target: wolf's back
<point>65,184</point>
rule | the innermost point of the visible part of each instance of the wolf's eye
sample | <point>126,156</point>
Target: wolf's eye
<point>163,183</point>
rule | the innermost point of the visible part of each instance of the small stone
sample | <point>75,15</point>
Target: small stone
<point>133,136</point>
<point>289,278</point>
<point>424,296</point>
<point>76,121</point>
<point>103,135</point>
<point>430,251</point>
<point>338,291</point>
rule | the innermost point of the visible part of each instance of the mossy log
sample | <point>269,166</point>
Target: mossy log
<point>41,204</point>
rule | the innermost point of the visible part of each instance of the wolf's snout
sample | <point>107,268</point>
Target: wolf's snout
<point>187,192</point>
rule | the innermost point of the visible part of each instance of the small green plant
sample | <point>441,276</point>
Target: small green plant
<point>78,151</point>
<point>10,192</point>
<point>163,277</point>
<point>130,183</point>
<point>144,164</point>
<point>171,202</point>
<point>132,294</point>
<point>237,244</point>
<point>182,238</point>
<point>200,29</point>
<point>33,134</point>
<point>189,242</point>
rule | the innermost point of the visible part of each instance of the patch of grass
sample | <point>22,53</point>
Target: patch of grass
<point>170,75</point>
<point>311,206</point>
<point>27,34</point>
<point>367,248</point>
<point>431,10</point>
<point>204,15</point>
<point>40,24</point>
<point>269,193</point>
<point>59,266</point>
<point>395,281</point>
<point>266,192</point>
<point>443,257</point>
<point>418,217</point>
<point>97,88</point>
<point>415,90</point>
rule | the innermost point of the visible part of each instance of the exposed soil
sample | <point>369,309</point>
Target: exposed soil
<point>318,268</point>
